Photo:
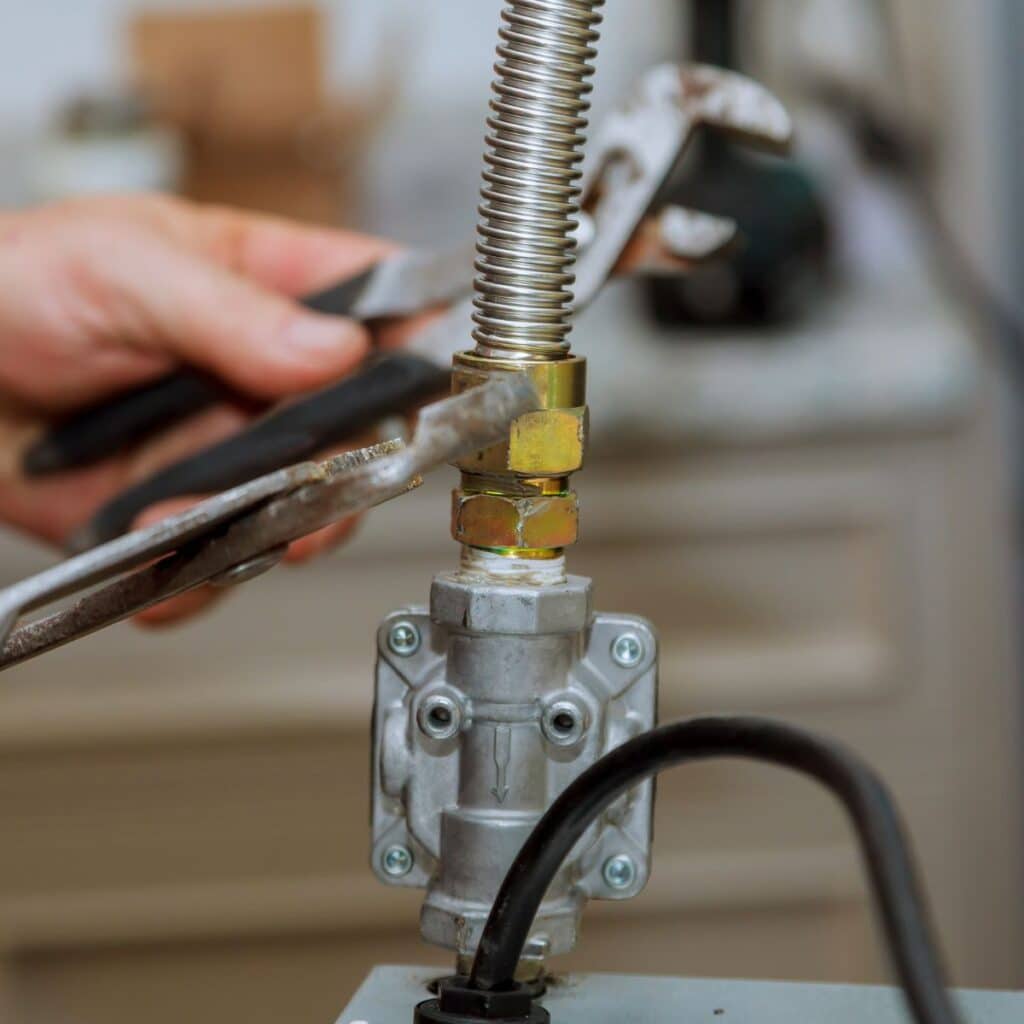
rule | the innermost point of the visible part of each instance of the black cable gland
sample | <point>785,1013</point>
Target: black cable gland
<point>459,1003</point>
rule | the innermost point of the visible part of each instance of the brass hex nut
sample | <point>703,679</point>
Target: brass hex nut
<point>535,523</point>
<point>549,442</point>
<point>545,443</point>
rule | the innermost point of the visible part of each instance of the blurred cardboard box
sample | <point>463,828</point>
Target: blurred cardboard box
<point>247,89</point>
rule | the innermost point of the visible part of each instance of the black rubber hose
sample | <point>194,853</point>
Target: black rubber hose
<point>885,847</point>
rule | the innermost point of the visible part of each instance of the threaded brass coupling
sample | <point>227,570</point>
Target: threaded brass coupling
<point>516,497</point>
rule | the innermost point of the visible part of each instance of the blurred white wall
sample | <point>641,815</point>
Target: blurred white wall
<point>1013,88</point>
<point>445,48</point>
<point>434,58</point>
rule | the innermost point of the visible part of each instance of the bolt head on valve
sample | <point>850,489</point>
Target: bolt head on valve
<point>628,650</point>
<point>397,861</point>
<point>404,639</point>
<point>620,873</point>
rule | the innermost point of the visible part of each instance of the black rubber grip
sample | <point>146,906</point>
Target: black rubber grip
<point>386,386</point>
<point>111,426</point>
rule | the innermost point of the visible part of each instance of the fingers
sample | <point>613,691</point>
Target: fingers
<point>204,314</point>
<point>289,258</point>
<point>105,295</point>
<point>285,256</point>
<point>102,295</point>
<point>321,542</point>
<point>52,508</point>
<point>187,605</point>
<point>178,609</point>
<point>192,602</point>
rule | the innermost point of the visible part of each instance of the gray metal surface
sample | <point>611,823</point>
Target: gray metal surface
<point>232,530</point>
<point>389,994</point>
<point>487,707</point>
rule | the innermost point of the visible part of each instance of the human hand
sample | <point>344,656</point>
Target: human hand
<point>101,295</point>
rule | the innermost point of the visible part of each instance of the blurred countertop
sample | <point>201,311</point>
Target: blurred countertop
<point>866,360</point>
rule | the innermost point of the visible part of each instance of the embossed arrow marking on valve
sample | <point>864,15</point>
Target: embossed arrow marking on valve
<point>502,757</point>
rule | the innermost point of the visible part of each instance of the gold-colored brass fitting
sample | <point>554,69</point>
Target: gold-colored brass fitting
<point>548,443</point>
<point>503,523</point>
<point>516,496</point>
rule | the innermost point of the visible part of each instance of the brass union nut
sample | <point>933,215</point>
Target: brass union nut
<point>545,443</point>
<point>550,442</point>
<point>534,523</point>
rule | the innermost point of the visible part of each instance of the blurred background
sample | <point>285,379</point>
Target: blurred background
<point>822,427</point>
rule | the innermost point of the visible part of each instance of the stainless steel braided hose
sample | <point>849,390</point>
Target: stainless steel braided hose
<point>530,194</point>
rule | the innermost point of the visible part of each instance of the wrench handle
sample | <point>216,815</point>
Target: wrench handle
<point>115,424</point>
<point>387,385</point>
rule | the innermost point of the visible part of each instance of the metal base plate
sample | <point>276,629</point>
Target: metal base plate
<point>389,995</point>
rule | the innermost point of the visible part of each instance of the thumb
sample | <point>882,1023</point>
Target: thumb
<point>257,340</point>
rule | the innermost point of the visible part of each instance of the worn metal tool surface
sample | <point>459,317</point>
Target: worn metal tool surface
<point>243,532</point>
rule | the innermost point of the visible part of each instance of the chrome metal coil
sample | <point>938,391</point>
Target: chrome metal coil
<point>531,192</point>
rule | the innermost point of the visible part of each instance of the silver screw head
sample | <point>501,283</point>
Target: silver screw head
<point>628,650</point>
<point>397,861</point>
<point>619,872</point>
<point>404,639</point>
<point>440,717</point>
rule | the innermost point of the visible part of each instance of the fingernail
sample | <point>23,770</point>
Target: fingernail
<point>319,334</point>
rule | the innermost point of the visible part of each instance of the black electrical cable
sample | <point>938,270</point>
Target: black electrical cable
<point>885,847</point>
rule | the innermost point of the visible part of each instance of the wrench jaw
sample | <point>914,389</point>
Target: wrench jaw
<point>233,536</point>
<point>727,101</point>
<point>676,242</point>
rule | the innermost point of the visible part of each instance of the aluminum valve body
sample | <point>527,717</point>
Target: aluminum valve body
<point>487,707</point>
